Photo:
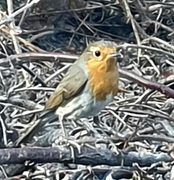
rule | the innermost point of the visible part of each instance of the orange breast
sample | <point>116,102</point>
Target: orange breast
<point>103,77</point>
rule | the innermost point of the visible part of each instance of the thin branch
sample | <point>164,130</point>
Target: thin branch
<point>147,83</point>
<point>11,16</point>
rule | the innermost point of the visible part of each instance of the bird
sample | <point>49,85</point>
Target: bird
<point>88,86</point>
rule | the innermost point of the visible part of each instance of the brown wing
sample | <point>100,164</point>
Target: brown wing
<point>72,83</point>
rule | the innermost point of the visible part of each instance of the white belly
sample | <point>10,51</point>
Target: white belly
<point>83,106</point>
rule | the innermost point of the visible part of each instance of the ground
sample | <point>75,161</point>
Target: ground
<point>40,40</point>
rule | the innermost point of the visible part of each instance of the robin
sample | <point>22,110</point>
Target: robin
<point>89,84</point>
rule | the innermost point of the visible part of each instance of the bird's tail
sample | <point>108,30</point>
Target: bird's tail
<point>46,117</point>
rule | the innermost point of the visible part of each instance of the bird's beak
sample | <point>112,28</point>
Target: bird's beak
<point>115,55</point>
<point>118,56</point>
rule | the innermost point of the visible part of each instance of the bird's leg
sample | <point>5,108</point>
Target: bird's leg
<point>90,127</point>
<point>62,126</point>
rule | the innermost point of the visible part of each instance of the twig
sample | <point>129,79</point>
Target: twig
<point>37,78</point>
<point>160,41</point>
<point>129,16</point>
<point>11,16</point>
<point>23,15</point>
<point>125,46</point>
<point>149,84</point>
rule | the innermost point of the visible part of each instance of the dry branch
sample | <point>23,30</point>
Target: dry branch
<point>86,156</point>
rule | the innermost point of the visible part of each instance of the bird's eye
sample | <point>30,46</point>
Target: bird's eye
<point>97,53</point>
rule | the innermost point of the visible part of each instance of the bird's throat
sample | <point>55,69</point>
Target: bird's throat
<point>103,78</point>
